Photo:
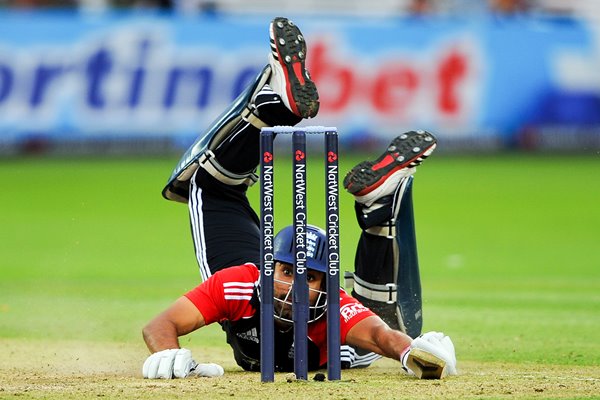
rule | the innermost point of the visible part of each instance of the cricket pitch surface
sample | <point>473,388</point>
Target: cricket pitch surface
<point>36,369</point>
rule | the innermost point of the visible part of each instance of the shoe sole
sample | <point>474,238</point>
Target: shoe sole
<point>425,365</point>
<point>289,50</point>
<point>406,151</point>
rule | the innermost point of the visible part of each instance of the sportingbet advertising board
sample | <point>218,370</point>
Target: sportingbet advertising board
<point>74,76</point>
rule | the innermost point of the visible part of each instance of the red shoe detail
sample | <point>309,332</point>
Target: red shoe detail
<point>387,160</point>
<point>290,94</point>
<point>298,71</point>
<point>377,184</point>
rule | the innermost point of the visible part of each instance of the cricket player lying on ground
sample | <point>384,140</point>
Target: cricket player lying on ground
<point>384,313</point>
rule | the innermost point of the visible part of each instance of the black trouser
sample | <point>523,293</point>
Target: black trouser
<point>225,228</point>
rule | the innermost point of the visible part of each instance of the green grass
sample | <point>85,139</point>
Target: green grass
<point>507,244</point>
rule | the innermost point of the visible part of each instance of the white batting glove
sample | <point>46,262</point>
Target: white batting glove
<point>209,370</point>
<point>430,356</point>
<point>177,363</point>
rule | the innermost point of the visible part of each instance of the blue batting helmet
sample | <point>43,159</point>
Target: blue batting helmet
<point>316,247</point>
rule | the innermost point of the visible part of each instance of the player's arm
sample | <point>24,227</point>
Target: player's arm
<point>161,335</point>
<point>430,356</point>
<point>181,318</point>
<point>375,335</point>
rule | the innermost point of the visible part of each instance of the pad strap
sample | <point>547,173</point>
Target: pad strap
<point>187,173</point>
<point>388,231</point>
<point>252,119</point>
<point>212,166</point>
<point>382,293</point>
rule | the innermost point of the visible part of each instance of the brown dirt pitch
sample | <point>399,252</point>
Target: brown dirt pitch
<point>35,369</point>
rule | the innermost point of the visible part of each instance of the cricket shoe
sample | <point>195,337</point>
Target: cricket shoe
<point>289,78</point>
<point>371,180</point>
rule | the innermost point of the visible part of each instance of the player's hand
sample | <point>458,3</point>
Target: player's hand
<point>177,363</point>
<point>430,356</point>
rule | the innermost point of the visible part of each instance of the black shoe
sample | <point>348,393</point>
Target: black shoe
<point>289,78</point>
<point>371,180</point>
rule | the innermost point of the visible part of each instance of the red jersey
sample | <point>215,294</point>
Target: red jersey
<point>230,298</point>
